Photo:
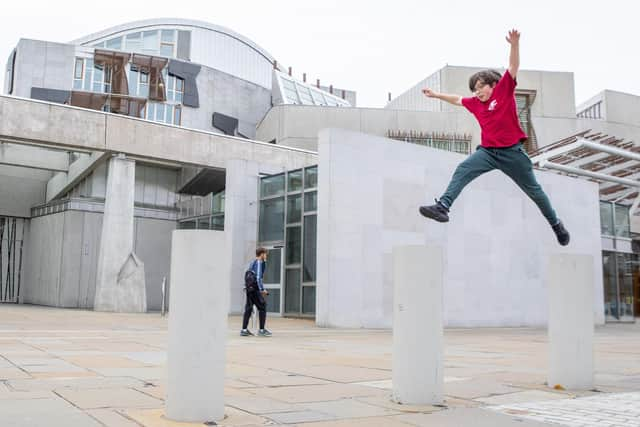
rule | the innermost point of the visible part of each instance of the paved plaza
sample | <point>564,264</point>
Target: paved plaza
<point>79,368</point>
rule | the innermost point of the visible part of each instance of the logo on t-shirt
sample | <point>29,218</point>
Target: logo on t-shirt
<point>492,105</point>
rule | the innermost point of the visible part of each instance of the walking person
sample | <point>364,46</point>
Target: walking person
<point>255,294</point>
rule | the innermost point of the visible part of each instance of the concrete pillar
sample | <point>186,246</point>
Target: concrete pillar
<point>571,318</point>
<point>417,325</point>
<point>197,326</point>
<point>120,283</point>
<point>240,223</point>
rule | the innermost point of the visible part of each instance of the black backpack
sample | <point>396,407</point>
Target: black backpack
<point>250,280</point>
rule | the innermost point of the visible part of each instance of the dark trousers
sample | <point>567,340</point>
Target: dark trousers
<point>513,162</point>
<point>254,298</point>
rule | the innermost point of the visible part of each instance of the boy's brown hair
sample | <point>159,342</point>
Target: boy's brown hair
<point>489,77</point>
<point>260,251</point>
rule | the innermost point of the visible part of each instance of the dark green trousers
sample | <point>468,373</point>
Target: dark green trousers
<point>513,162</point>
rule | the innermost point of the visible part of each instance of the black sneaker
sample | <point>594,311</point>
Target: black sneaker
<point>264,333</point>
<point>561,233</point>
<point>436,212</point>
<point>245,333</point>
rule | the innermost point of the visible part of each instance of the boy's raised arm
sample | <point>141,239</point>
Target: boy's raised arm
<point>513,38</point>
<point>451,99</point>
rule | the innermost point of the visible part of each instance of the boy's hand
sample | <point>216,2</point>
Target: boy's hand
<point>429,93</point>
<point>513,37</point>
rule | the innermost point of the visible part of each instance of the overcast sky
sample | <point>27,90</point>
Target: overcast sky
<point>380,47</point>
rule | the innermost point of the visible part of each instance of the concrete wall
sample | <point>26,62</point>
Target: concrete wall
<point>226,94</point>
<point>61,259</point>
<point>43,64</point>
<point>298,125</point>
<point>555,91</point>
<point>152,244</point>
<point>496,245</point>
<point>622,108</point>
<point>62,255</point>
<point>21,189</point>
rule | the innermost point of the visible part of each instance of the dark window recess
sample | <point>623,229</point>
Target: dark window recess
<point>11,65</point>
<point>227,124</point>
<point>51,95</point>
<point>184,45</point>
<point>187,72</point>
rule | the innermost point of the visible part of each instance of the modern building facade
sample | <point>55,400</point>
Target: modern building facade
<point>202,128</point>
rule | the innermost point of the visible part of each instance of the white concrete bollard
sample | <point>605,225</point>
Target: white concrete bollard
<point>198,308</point>
<point>417,325</point>
<point>571,319</point>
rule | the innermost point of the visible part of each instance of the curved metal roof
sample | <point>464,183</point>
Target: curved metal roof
<point>172,21</point>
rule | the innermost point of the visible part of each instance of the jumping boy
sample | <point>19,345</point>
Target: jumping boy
<point>494,106</point>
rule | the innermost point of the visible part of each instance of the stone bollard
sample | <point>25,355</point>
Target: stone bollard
<point>417,325</point>
<point>198,309</point>
<point>571,318</point>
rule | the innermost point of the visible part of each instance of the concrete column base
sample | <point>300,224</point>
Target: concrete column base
<point>571,321</point>
<point>417,325</point>
<point>198,310</point>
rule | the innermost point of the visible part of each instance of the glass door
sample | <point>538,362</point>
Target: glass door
<point>272,279</point>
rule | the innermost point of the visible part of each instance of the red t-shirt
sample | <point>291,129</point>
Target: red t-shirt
<point>498,116</point>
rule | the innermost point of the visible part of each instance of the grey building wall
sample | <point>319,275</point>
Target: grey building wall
<point>555,91</point>
<point>496,245</point>
<point>43,64</point>
<point>152,244</point>
<point>298,125</point>
<point>61,258</point>
<point>20,189</point>
<point>223,93</point>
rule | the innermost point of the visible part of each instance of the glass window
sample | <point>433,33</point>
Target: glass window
<point>606,218</point>
<point>134,42</point>
<point>311,177</point>
<point>217,202</point>
<point>305,95</point>
<point>177,115</point>
<point>88,74</point>
<point>273,301</point>
<point>168,36</point>
<point>622,220</point>
<point>159,113</point>
<point>293,244</point>
<point>151,110</point>
<point>627,270</point>
<point>203,223</point>
<point>187,225</point>
<point>318,98</point>
<point>294,209</point>
<point>272,269</point>
<point>133,81</point>
<point>166,49</point>
<point>290,91</point>
<point>309,299</point>
<point>311,201</point>
<point>610,287</point>
<point>217,222</point>
<point>292,291</point>
<point>272,186</point>
<point>294,181</point>
<point>150,41</point>
<point>115,43</point>
<point>271,227</point>
<point>78,70</point>
<point>309,250</point>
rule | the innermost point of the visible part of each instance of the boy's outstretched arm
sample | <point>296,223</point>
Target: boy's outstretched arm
<point>451,99</point>
<point>513,38</point>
